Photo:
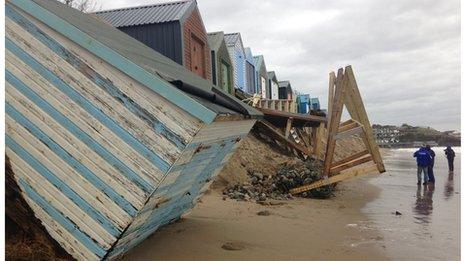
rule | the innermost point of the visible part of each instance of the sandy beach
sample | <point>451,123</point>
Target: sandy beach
<point>300,229</point>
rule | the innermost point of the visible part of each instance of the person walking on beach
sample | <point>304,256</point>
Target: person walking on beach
<point>423,159</point>
<point>432,162</point>
<point>449,152</point>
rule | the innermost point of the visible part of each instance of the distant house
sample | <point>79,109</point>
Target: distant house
<point>315,104</point>
<point>174,29</point>
<point>285,90</point>
<point>221,63</point>
<point>250,71</point>
<point>237,54</point>
<point>262,80</point>
<point>273,85</point>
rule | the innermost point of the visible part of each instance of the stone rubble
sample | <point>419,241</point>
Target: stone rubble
<point>276,186</point>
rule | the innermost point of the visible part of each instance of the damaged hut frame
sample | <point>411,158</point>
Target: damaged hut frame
<point>107,139</point>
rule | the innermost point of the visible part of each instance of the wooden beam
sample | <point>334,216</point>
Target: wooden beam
<point>350,158</point>
<point>331,96</point>
<point>349,133</point>
<point>363,118</point>
<point>273,132</point>
<point>337,110</point>
<point>350,173</point>
<point>337,169</point>
<point>288,127</point>
<point>347,126</point>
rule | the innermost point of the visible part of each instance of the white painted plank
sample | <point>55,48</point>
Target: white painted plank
<point>60,202</point>
<point>84,120</point>
<point>98,97</point>
<point>223,129</point>
<point>172,116</point>
<point>66,173</point>
<point>76,148</point>
<point>60,234</point>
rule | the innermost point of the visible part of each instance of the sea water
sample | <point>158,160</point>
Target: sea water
<point>427,225</point>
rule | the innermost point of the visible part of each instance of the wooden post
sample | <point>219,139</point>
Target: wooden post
<point>337,109</point>
<point>289,127</point>
<point>317,140</point>
<point>330,98</point>
<point>361,116</point>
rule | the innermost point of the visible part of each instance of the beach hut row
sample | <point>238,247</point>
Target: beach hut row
<point>177,31</point>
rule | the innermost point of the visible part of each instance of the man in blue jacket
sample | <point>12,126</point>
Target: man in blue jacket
<point>424,160</point>
<point>432,162</point>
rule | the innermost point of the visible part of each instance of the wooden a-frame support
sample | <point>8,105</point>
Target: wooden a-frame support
<point>343,91</point>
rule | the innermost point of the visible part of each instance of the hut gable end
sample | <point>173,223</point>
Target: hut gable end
<point>194,30</point>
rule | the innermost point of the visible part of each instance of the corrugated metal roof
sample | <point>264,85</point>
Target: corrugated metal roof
<point>232,38</point>
<point>149,14</point>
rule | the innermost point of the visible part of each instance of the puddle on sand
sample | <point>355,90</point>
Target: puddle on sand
<point>429,225</point>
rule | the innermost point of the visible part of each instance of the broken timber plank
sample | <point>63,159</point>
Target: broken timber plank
<point>288,127</point>
<point>280,137</point>
<point>350,173</point>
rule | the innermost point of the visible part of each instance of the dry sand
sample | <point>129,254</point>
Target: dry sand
<point>301,229</point>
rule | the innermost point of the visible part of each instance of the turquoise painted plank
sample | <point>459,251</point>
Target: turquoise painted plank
<point>89,107</point>
<point>71,161</point>
<point>63,187</point>
<point>180,203</point>
<point>132,69</point>
<point>62,220</point>
<point>96,78</point>
<point>77,132</point>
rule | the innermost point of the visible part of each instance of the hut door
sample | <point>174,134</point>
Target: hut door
<point>263,87</point>
<point>225,82</point>
<point>197,54</point>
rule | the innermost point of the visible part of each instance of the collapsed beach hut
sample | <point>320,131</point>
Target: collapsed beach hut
<point>106,138</point>
<point>262,81</point>
<point>237,54</point>
<point>174,29</point>
<point>274,85</point>
<point>250,72</point>
<point>221,63</point>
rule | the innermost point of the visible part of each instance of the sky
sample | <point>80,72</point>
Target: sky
<point>405,54</point>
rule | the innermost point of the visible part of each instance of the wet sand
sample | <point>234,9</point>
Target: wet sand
<point>301,229</point>
<point>429,227</point>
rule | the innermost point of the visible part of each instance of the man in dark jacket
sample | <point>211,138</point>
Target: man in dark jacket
<point>449,152</point>
<point>430,167</point>
<point>423,159</point>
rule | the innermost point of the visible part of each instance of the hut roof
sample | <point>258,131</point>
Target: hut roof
<point>215,39</point>
<point>231,38</point>
<point>272,75</point>
<point>259,61</point>
<point>148,14</point>
<point>127,51</point>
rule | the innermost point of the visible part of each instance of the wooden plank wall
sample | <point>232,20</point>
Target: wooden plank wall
<point>186,182</point>
<point>88,144</point>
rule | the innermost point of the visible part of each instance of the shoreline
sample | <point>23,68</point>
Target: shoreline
<point>300,229</point>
